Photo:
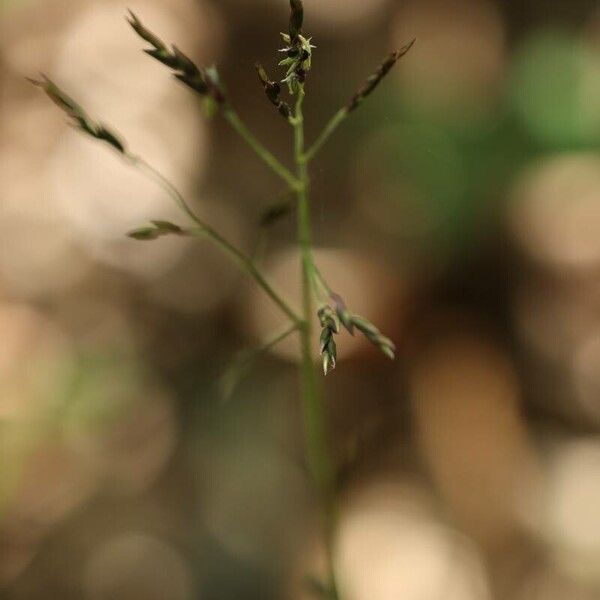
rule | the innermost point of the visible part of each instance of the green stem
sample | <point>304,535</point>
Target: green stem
<point>315,420</point>
<point>204,229</point>
<point>238,367</point>
<point>323,289</point>
<point>337,119</point>
<point>276,339</point>
<point>238,125</point>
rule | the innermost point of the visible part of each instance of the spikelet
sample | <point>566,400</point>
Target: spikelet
<point>273,91</point>
<point>327,347</point>
<point>81,120</point>
<point>375,79</point>
<point>155,230</point>
<point>204,81</point>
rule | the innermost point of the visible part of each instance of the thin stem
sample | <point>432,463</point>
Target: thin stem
<point>149,171</point>
<point>243,360</point>
<point>248,265</point>
<point>315,420</point>
<point>204,229</point>
<point>238,125</point>
<point>324,291</point>
<point>271,343</point>
<point>335,121</point>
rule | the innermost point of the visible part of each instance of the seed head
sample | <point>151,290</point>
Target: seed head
<point>351,322</point>
<point>273,91</point>
<point>145,33</point>
<point>375,79</point>
<point>203,81</point>
<point>298,59</point>
<point>298,49</point>
<point>296,19</point>
<point>156,230</point>
<point>327,347</point>
<point>375,336</point>
<point>81,120</point>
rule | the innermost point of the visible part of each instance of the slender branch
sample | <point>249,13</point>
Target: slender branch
<point>315,420</point>
<point>149,171</point>
<point>271,343</point>
<point>323,289</point>
<point>203,229</point>
<point>247,265</point>
<point>239,365</point>
<point>239,126</point>
<point>357,99</point>
<point>335,121</point>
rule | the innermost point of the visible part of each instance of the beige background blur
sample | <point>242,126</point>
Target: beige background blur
<point>459,210</point>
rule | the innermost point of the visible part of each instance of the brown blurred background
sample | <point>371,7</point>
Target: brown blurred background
<point>459,209</point>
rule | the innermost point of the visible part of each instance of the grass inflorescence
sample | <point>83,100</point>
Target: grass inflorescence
<point>332,314</point>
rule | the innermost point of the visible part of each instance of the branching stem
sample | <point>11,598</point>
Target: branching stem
<point>276,339</point>
<point>335,121</point>
<point>265,155</point>
<point>323,289</point>
<point>203,229</point>
<point>315,419</point>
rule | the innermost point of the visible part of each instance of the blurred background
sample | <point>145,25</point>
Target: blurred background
<point>459,209</point>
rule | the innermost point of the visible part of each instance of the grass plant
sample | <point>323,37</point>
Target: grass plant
<point>320,304</point>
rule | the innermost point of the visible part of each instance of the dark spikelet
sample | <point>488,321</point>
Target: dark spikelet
<point>273,91</point>
<point>104,134</point>
<point>163,56</point>
<point>80,118</point>
<point>284,110</point>
<point>195,83</point>
<point>184,63</point>
<point>203,81</point>
<point>57,96</point>
<point>145,33</point>
<point>296,19</point>
<point>375,79</point>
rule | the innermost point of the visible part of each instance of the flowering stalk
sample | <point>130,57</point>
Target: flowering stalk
<point>333,312</point>
<point>315,418</point>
